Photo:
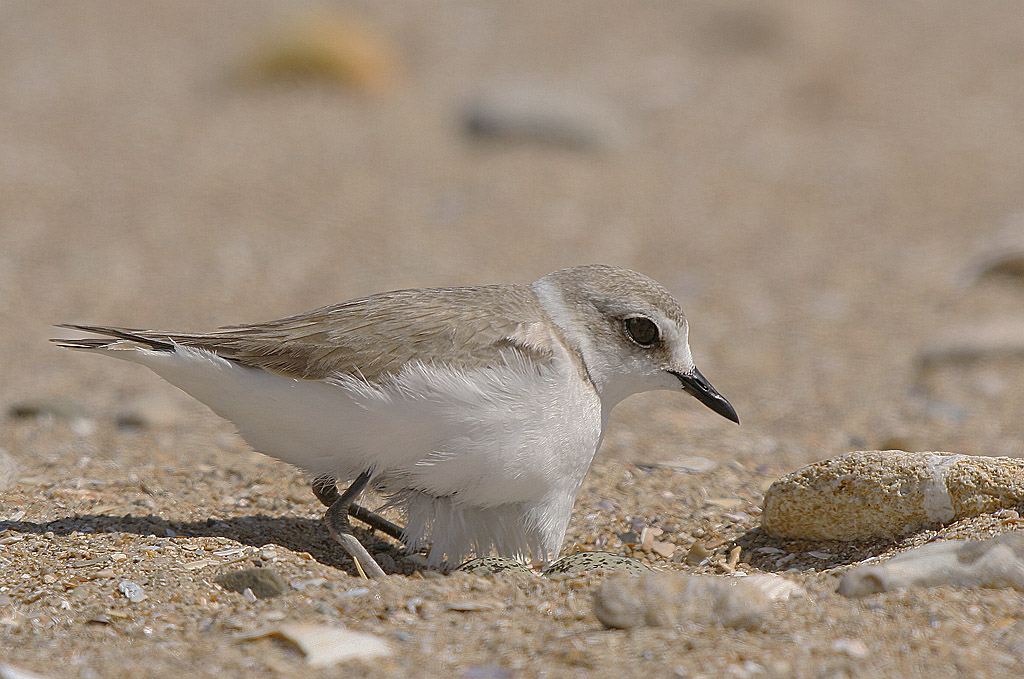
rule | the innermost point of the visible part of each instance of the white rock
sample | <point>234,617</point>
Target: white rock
<point>970,564</point>
<point>132,591</point>
<point>326,645</point>
<point>665,599</point>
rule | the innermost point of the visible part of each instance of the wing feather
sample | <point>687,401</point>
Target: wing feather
<point>373,336</point>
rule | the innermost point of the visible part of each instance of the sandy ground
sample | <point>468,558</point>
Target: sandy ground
<point>810,179</point>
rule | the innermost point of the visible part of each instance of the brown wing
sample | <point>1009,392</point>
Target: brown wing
<point>372,336</point>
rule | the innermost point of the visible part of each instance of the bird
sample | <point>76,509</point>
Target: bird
<point>477,410</point>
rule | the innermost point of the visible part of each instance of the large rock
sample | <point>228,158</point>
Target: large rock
<point>881,494</point>
<point>996,562</point>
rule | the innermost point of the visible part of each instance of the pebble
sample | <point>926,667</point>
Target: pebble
<point>57,408</point>
<point>688,464</point>
<point>854,648</point>
<point>697,554</point>
<point>471,606</point>
<point>1003,337</point>
<point>262,582</point>
<point>300,585</point>
<point>326,645</point>
<point>544,113</point>
<point>969,564</point>
<point>330,47</point>
<point>132,591</point>
<point>885,494</point>
<point>665,599</point>
<point>355,591</point>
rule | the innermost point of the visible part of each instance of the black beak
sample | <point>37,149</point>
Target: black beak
<point>697,385</point>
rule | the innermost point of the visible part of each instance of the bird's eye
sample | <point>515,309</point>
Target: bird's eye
<point>642,330</point>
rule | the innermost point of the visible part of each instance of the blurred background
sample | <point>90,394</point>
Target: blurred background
<point>832,189</point>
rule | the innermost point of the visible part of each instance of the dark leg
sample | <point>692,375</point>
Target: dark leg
<point>327,492</point>
<point>338,526</point>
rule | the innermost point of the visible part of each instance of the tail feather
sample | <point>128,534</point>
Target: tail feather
<point>113,334</point>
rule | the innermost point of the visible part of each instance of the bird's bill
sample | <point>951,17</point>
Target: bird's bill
<point>697,385</point>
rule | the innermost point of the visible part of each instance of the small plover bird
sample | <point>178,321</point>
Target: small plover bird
<point>478,410</point>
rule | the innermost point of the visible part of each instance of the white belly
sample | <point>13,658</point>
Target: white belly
<point>512,433</point>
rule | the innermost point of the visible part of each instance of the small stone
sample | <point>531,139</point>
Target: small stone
<point>132,591</point>
<point>969,564</point>
<point>471,606</point>
<point>326,645</point>
<point>355,591</point>
<point>854,648</point>
<point>583,562</point>
<point>663,549</point>
<point>688,464</point>
<point>999,338</point>
<point>884,494</point>
<point>328,47</point>
<point>262,582</point>
<point>549,114</point>
<point>300,585</point>
<point>57,408</point>
<point>630,537</point>
<point>151,411</point>
<point>727,503</point>
<point>665,599</point>
<point>697,554</point>
<point>647,536</point>
<point>493,565</point>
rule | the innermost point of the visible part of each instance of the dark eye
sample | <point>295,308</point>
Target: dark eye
<point>642,330</point>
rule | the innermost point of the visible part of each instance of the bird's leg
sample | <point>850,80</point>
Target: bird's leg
<point>338,526</point>
<point>327,492</point>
